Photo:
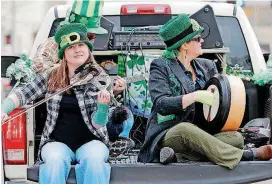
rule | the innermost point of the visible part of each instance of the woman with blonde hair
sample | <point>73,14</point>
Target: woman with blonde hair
<point>176,83</point>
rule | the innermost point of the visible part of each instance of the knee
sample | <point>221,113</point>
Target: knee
<point>94,157</point>
<point>238,140</point>
<point>93,151</point>
<point>56,159</point>
<point>239,135</point>
<point>233,138</point>
<point>236,135</point>
<point>185,128</point>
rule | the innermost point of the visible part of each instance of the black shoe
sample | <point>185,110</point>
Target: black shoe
<point>167,155</point>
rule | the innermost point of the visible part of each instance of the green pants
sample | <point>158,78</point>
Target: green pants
<point>190,143</point>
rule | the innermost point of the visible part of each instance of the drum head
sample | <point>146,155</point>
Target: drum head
<point>227,111</point>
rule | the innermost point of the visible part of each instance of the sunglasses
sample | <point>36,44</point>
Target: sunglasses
<point>91,36</point>
<point>198,39</point>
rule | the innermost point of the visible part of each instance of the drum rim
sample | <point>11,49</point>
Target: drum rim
<point>221,117</point>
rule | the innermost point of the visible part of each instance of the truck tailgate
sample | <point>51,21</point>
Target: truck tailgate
<point>193,173</point>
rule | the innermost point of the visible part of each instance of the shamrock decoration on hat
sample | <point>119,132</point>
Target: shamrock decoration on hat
<point>176,32</point>
<point>88,12</point>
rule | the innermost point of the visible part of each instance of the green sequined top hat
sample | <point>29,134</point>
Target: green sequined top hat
<point>177,31</point>
<point>88,12</point>
<point>70,34</point>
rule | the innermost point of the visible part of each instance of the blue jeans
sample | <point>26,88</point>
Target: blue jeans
<point>91,157</point>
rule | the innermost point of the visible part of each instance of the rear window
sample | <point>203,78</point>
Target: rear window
<point>229,28</point>
<point>233,38</point>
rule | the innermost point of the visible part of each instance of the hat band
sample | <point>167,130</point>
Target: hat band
<point>179,37</point>
<point>71,39</point>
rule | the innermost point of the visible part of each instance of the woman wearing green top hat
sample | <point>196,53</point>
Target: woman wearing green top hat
<point>75,129</point>
<point>175,83</point>
<point>87,12</point>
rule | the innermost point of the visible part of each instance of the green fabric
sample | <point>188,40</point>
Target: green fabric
<point>8,105</point>
<point>205,97</point>
<point>84,7</point>
<point>101,115</point>
<point>164,118</point>
<point>174,85</point>
<point>96,9</point>
<point>176,26</point>
<point>121,66</point>
<point>190,143</point>
<point>88,8</point>
<point>88,12</point>
<point>92,23</point>
<point>68,29</point>
<point>139,97</point>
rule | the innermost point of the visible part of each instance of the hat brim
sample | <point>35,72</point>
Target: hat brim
<point>61,50</point>
<point>185,39</point>
<point>98,30</point>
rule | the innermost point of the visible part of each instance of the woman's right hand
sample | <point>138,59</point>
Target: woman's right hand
<point>104,97</point>
<point>4,117</point>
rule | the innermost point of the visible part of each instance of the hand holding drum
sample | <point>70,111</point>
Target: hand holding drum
<point>223,104</point>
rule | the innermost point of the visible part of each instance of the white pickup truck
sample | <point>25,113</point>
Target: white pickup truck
<point>241,48</point>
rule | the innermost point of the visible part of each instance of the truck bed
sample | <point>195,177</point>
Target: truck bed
<point>191,173</point>
<point>130,171</point>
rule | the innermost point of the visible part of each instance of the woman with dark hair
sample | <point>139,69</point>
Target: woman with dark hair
<point>75,130</point>
<point>175,83</point>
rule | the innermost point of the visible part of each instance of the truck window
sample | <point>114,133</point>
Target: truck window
<point>229,28</point>
<point>233,38</point>
<point>54,26</point>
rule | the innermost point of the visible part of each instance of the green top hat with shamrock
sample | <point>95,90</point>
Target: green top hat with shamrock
<point>88,12</point>
<point>70,34</point>
<point>176,32</point>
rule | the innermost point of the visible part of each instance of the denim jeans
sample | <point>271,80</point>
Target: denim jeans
<point>91,167</point>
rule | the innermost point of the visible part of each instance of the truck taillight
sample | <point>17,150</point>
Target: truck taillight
<point>14,139</point>
<point>145,9</point>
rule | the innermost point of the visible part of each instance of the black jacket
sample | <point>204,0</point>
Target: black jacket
<point>167,84</point>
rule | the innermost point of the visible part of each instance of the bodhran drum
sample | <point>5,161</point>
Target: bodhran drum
<point>227,111</point>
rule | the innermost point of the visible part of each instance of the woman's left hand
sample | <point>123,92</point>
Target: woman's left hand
<point>103,97</point>
<point>4,117</point>
<point>120,85</point>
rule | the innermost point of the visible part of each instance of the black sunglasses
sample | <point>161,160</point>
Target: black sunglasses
<point>198,39</point>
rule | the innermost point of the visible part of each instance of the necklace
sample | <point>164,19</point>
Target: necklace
<point>189,67</point>
<point>186,67</point>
